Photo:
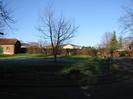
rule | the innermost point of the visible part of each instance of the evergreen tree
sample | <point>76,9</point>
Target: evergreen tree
<point>113,43</point>
<point>120,42</point>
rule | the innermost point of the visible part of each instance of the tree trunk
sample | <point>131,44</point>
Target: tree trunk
<point>55,54</point>
<point>55,57</point>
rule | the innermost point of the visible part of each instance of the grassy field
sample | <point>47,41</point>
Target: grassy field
<point>41,56</point>
<point>36,76</point>
<point>23,56</point>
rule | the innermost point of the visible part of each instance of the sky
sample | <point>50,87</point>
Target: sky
<point>94,18</point>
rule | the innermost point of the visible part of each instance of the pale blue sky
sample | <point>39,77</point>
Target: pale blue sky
<point>94,18</point>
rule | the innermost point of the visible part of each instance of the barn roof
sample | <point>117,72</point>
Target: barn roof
<point>8,41</point>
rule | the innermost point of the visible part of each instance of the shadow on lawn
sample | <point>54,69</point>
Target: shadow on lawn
<point>122,86</point>
<point>39,79</point>
<point>36,80</point>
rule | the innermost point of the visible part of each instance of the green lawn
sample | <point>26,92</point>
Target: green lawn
<point>42,56</point>
<point>36,80</point>
<point>24,56</point>
<point>36,76</point>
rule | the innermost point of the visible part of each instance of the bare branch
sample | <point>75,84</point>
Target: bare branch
<point>5,16</point>
<point>57,29</point>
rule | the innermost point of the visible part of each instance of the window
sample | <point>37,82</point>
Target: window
<point>7,49</point>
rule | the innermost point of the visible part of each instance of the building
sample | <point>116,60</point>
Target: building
<point>71,48</point>
<point>130,46</point>
<point>24,47</point>
<point>9,46</point>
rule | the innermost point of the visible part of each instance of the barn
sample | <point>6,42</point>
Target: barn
<point>9,46</point>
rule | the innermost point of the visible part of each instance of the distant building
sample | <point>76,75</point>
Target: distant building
<point>128,43</point>
<point>71,48</point>
<point>9,46</point>
<point>130,46</point>
<point>24,47</point>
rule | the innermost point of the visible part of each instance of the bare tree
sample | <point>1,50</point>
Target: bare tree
<point>127,20</point>
<point>56,29</point>
<point>42,45</point>
<point>5,16</point>
<point>105,43</point>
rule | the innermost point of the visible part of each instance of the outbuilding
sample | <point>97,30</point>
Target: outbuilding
<point>71,48</point>
<point>9,46</point>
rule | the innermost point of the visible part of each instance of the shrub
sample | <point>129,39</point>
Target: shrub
<point>88,72</point>
<point>123,53</point>
<point>115,68</point>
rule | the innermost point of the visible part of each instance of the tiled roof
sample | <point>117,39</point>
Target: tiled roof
<point>8,41</point>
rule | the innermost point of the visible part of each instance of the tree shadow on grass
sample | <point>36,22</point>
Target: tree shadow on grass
<point>118,90</point>
<point>36,82</point>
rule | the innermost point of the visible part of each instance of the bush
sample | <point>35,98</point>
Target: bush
<point>115,68</point>
<point>123,53</point>
<point>88,72</point>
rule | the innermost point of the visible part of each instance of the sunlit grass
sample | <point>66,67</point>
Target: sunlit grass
<point>24,56</point>
<point>80,57</point>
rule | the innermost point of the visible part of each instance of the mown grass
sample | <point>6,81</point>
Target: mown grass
<point>24,56</point>
<point>82,57</point>
<point>83,68</point>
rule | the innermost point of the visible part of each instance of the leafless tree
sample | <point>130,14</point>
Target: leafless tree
<point>56,29</point>
<point>5,16</point>
<point>42,45</point>
<point>105,43</point>
<point>127,20</point>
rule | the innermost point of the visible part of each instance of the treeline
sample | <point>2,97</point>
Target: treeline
<point>110,46</point>
<point>90,51</point>
<point>35,48</point>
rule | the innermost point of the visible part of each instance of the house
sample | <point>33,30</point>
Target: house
<point>9,46</point>
<point>130,46</point>
<point>71,48</point>
<point>130,49</point>
<point>24,47</point>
